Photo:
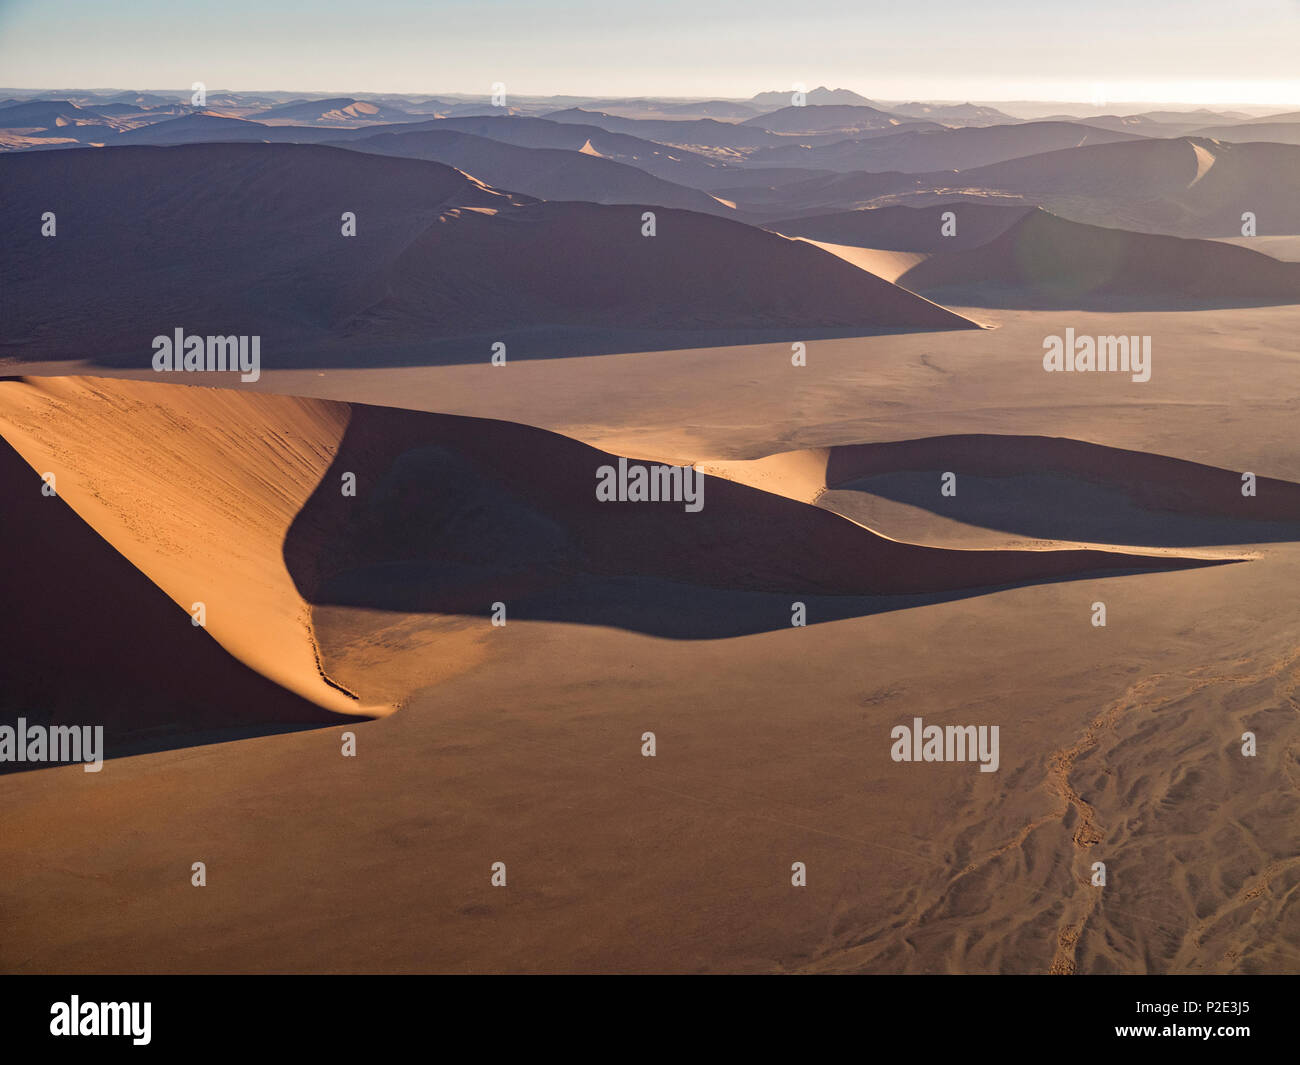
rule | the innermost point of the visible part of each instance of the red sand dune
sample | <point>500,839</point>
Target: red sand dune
<point>90,640</point>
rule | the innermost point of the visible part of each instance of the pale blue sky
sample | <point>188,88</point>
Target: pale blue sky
<point>1189,51</point>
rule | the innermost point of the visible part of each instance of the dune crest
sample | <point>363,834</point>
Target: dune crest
<point>196,487</point>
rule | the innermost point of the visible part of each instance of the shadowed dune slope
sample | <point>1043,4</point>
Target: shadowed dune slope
<point>205,128</point>
<point>703,131</point>
<point>548,173</point>
<point>906,228</point>
<point>225,239</point>
<point>339,111</point>
<point>679,165</point>
<point>424,262</point>
<point>1043,260</point>
<point>697,271</point>
<point>1153,482</point>
<point>196,487</point>
<point>90,640</point>
<point>455,513</point>
<point>1189,186</point>
<point>923,151</point>
<point>817,195</point>
<point>1275,132</point>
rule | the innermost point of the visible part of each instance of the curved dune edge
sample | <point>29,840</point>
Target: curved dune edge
<point>1157,481</point>
<point>196,487</point>
<point>886,265</point>
<point>90,640</point>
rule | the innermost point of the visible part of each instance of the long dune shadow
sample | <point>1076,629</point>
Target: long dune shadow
<point>666,609</point>
<point>525,345</point>
<point>1060,489</point>
<point>1028,297</point>
<point>1053,507</point>
<point>452,515</point>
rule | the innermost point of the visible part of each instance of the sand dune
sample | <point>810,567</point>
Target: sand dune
<point>923,151</point>
<point>1159,185</point>
<point>274,262</point>
<point>437,254</point>
<point>1043,491</point>
<point>697,272</point>
<point>196,488</point>
<point>885,264</point>
<point>548,173</point>
<point>197,128</point>
<point>336,111</point>
<point>672,164</point>
<point>907,229</point>
<point>824,193</point>
<point>206,127</point>
<point>1193,187</point>
<point>90,640</point>
<point>49,114</point>
<point>233,499</point>
<point>1275,132</point>
<point>1043,260</point>
<point>460,513</point>
<point>701,131</point>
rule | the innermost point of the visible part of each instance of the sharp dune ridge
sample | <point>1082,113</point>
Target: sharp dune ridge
<point>196,488</point>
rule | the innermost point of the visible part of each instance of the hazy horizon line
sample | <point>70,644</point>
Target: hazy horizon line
<point>183,93</point>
